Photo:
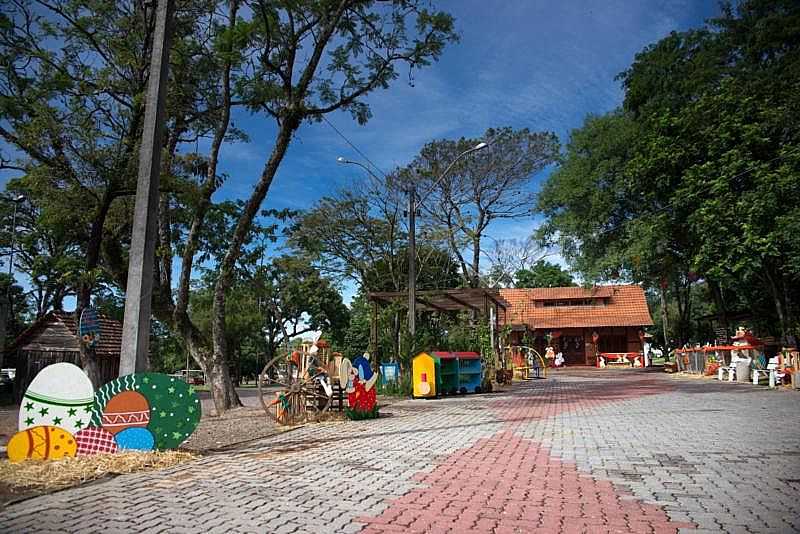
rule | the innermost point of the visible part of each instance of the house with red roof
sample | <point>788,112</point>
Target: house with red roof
<point>54,338</point>
<point>579,322</point>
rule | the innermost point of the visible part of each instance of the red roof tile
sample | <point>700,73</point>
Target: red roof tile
<point>110,333</point>
<point>625,306</point>
<point>568,293</point>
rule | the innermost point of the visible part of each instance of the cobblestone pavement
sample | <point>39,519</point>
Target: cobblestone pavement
<point>583,451</point>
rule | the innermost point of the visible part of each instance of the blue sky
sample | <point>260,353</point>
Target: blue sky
<point>538,64</point>
<point>523,63</point>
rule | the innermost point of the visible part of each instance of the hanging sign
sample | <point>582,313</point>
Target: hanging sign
<point>89,328</point>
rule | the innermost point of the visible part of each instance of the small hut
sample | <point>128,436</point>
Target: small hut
<point>53,339</point>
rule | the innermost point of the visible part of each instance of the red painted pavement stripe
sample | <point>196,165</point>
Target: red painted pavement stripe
<point>508,484</point>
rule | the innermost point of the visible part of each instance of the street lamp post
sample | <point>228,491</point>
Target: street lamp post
<point>7,307</point>
<point>16,200</point>
<point>138,291</point>
<point>413,204</point>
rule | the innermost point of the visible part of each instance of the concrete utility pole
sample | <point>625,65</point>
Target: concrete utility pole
<point>136,327</point>
<point>413,204</point>
<point>412,261</point>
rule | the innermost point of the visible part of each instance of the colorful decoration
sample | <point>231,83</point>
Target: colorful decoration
<point>344,374</point>
<point>363,400</point>
<point>41,443</point>
<point>174,405</point>
<point>89,327</point>
<point>60,415</point>
<point>93,440</point>
<point>361,394</point>
<point>126,410</point>
<point>135,438</point>
<point>60,395</point>
<point>364,368</point>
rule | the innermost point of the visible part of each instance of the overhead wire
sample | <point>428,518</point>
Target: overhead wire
<point>353,146</point>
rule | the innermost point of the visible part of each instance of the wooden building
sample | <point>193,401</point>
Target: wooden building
<point>573,317</point>
<point>53,339</point>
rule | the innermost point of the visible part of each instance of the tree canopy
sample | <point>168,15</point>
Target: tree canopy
<point>543,274</point>
<point>695,178</point>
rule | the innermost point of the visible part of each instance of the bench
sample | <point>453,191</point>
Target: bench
<point>771,372</point>
<point>633,359</point>
<point>730,369</point>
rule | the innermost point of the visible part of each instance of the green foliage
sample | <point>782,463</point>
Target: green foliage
<point>543,274</point>
<point>357,415</point>
<point>285,297</point>
<point>356,337</point>
<point>696,177</point>
<point>167,354</point>
<point>404,387</point>
<point>20,313</point>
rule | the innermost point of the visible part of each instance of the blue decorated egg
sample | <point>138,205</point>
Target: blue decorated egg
<point>135,438</point>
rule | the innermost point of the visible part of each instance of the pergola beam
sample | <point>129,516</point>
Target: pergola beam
<point>426,302</point>
<point>461,302</point>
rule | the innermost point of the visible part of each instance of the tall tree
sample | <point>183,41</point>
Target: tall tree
<point>74,120</point>
<point>695,178</point>
<point>294,81</point>
<point>489,185</point>
<point>510,256</point>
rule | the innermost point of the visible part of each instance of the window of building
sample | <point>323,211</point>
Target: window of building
<point>573,302</point>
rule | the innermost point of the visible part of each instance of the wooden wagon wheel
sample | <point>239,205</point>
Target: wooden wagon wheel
<point>298,398</point>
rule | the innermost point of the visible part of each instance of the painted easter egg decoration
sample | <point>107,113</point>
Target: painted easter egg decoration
<point>92,440</point>
<point>127,409</point>
<point>174,406</point>
<point>60,395</point>
<point>136,439</point>
<point>41,443</point>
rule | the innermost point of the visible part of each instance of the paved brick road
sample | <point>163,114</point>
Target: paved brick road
<point>585,451</point>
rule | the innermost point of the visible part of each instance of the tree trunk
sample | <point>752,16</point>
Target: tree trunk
<point>220,385</point>
<point>87,355</point>
<point>719,304</point>
<point>475,279</point>
<point>664,316</point>
<point>777,297</point>
<point>89,365</point>
<point>226,268</point>
<point>222,389</point>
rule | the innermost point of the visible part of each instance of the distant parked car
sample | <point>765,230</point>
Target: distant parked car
<point>196,377</point>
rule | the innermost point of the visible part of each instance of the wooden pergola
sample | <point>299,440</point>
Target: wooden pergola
<point>482,301</point>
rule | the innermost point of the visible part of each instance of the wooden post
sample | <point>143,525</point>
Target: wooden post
<point>138,295</point>
<point>373,329</point>
<point>412,264</point>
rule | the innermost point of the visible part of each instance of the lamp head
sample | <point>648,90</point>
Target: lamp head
<point>18,198</point>
<point>340,159</point>
<point>480,145</point>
